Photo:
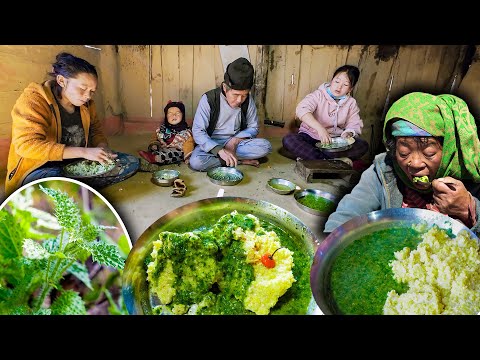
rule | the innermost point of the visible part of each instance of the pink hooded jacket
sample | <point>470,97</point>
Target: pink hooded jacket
<point>337,118</point>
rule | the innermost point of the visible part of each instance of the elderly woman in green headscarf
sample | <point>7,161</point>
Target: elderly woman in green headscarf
<point>432,161</point>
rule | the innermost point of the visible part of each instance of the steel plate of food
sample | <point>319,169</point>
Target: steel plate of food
<point>226,255</point>
<point>398,261</point>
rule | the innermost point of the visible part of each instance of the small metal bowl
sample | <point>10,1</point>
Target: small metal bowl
<point>321,198</point>
<point>281,186</point>
<point>225,175</point>
<point>165,177</point>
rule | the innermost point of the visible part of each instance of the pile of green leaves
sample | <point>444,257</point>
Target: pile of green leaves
<point>38,249</point>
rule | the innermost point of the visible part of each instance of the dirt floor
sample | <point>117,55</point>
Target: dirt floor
<point>140,203</point>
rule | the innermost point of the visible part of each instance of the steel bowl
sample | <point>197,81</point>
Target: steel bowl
<point>204,213</point>
<point>165,177</point>
<point>319,194</point>
<point>281,186</point>
<point>359,227</point>
<point>225,175</point>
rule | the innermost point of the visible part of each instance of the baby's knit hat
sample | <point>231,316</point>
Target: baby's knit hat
<point>177,104</point>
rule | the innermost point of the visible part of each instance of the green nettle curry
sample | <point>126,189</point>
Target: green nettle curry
<point>240,265</point>
<point>317,203</point>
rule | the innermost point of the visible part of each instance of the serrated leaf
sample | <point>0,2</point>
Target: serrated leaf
<point>11,270</point>
<point>106,254</point>
<point>42,312</point>
<point>11,236</point>
<point>68,303</point>
<point>66,210</point>
<point>34,250</point>
<point>81,272</point>
<point>24,220</point>
<point>51,245</point>
<point>20,310</point>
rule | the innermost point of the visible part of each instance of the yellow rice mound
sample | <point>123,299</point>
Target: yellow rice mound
<point>443,275</point>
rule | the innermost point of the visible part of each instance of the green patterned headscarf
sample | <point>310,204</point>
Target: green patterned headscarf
<point>445,116</point>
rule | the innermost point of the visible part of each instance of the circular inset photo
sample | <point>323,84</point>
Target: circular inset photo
<point>63,249</point>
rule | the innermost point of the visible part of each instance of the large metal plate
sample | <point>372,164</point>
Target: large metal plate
<point>338,144</point>
<point>193,216</point>
<point>363,225</point>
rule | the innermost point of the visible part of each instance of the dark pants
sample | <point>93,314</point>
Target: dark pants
<point>303,146</point>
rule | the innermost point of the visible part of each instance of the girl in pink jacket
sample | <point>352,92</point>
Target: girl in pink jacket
<point>329,111</point>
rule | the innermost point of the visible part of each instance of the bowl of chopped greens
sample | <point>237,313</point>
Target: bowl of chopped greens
<point>222,256</point>
<point>316,202</point>
<point>165,177</point>
<point>398,261</point>
<point>85,168</point>
<point>225,175</point>
<point>281,186</point>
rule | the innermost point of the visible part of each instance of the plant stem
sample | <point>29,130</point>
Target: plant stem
<point>66,267</point>
<point>47,287</point>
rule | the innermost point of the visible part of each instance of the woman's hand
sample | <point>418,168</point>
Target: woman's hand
<point>229,158</point>
<point>100,154</point>
<point>452,198</point>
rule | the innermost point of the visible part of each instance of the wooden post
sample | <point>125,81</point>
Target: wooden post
<point>260,86</point>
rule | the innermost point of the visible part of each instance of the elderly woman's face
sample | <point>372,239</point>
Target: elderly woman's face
<point>418,156</point>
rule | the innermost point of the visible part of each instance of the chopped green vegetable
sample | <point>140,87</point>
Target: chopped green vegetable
<point>88,168</point>
<point>422,179</point>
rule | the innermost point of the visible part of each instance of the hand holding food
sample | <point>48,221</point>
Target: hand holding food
<point>102,155</point>
<point>452,198</point>
<point>323,135</point>
<point>229,158</point>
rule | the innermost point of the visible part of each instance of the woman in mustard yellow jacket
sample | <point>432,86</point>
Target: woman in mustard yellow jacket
<point>55,121</point>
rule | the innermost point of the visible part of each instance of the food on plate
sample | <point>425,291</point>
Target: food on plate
<point>442,273</point>
<point>237,266</point>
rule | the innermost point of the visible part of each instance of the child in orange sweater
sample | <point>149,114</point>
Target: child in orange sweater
<point>172,142</point>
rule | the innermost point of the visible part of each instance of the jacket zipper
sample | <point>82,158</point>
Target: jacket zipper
<point>13,172</point>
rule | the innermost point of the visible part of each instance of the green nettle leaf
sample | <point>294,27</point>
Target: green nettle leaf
<point>21,293</point>
<point>51,245</point>
<point>11,236</point>
<point>81,272</point>
<point>105,254</point>
<point>34,250</point>
<point>42,311</point>
<point>11,270</point>
<point>68,303</point>
<point>66,210</point>
<point>89,232</point>
<point>21,310</point>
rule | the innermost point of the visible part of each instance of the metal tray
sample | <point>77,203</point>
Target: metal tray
<point>338,144</point>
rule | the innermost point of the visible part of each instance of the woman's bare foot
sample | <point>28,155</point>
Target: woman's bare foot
<point>252,162</point>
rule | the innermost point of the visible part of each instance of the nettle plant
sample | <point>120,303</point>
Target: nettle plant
<point>38,249</point>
